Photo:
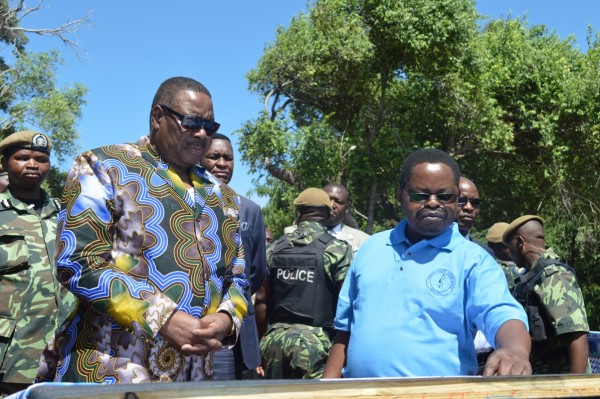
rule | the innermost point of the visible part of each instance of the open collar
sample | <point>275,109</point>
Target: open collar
<point>198,175</point>
<point>441,241</point>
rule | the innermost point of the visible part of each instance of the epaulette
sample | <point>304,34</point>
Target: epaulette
<point>56,203</point>
<point>280,244</point>
<point>325,238</point>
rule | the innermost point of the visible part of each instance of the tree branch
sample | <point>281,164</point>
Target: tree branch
<point>61,32</point>
<point>277,92</point>
<point>281,174</point>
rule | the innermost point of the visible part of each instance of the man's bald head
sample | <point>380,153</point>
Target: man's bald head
<point>526,243</point>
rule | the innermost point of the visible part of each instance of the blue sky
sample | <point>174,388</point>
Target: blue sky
<point>131,46</point>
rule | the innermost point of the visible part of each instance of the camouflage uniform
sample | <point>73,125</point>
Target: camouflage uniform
<point>299,350</point>
<point>510,271</point>
<point>32,302</point>
<point>563,301</point>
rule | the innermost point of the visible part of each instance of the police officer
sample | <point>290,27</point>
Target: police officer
<point>551,296</point>
<point>307,269</point>
<point>3,179</point>
<point>32,302</point>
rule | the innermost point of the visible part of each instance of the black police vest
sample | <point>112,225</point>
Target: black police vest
<point>301,292</point>
<point>542,334</point>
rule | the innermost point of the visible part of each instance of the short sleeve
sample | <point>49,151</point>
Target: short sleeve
<point>561,296</point>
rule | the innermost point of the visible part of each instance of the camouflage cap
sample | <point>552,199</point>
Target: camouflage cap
<point>27,139</point>
<point>515,224</point>
<point>495,232</point>
<point>313,197</point>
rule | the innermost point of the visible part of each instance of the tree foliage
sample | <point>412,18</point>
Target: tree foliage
<point>29,96</point>
<point>337,86</point>
<point>352,86</point>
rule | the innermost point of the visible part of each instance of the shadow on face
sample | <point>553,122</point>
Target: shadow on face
<point>180,147</point>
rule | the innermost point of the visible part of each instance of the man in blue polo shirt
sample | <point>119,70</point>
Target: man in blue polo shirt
<point>415,295</point>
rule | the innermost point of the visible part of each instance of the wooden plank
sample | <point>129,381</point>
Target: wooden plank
<point>548,386</point>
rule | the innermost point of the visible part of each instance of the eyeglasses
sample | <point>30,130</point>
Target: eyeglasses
<point>194,123</point>
<point>475,202</point>
<point>443,198</point>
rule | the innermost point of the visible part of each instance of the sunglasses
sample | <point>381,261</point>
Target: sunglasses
<point>443,198</point>
<point>475,202</point>
<point>193,123</point>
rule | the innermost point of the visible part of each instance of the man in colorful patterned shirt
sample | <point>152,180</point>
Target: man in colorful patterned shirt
<point>149,243</point>
<point>32,301</point>
<point>552,298</point>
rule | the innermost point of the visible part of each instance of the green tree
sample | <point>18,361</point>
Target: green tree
<point>543,93</point>
<point>335,85</point>
<point>29,96</point>
<point>354,85</point>
<point>36,102</point>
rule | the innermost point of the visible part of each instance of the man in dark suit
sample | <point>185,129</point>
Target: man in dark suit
<point>245,356</point>
<point>466,213</point>
<point>468,209</point>
<point>340,203</point>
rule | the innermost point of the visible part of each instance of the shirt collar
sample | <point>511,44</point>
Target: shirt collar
<point>311,224</point>
<point>336,229</point>
<point>445,240</point>
<point>150,154</point>
<point>49,205</point>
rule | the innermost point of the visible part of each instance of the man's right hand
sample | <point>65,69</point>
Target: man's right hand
<point>179,331</point>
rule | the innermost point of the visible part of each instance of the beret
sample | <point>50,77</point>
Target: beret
<point>495,232</point>
<point>313,197</point>
<point>27,139</point>
<point>515,224</point>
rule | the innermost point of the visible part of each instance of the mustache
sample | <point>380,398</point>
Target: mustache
<point>439,213</point>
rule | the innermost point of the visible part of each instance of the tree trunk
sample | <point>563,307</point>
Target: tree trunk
<point>371,208</point>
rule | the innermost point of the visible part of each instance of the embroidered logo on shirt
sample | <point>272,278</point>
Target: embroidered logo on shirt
<point>244,226</point>
<point>441,282</point>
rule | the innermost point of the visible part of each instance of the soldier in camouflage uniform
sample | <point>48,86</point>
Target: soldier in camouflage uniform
<point>552,299</point>
<point>32,302</point>
<point>3,179</point>
<point>307,268</point>
<point>501,253</point>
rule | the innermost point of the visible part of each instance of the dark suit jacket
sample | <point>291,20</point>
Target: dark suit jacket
<point>252,230</point>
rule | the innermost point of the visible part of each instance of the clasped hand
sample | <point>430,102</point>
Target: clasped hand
<point>194,336</point>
